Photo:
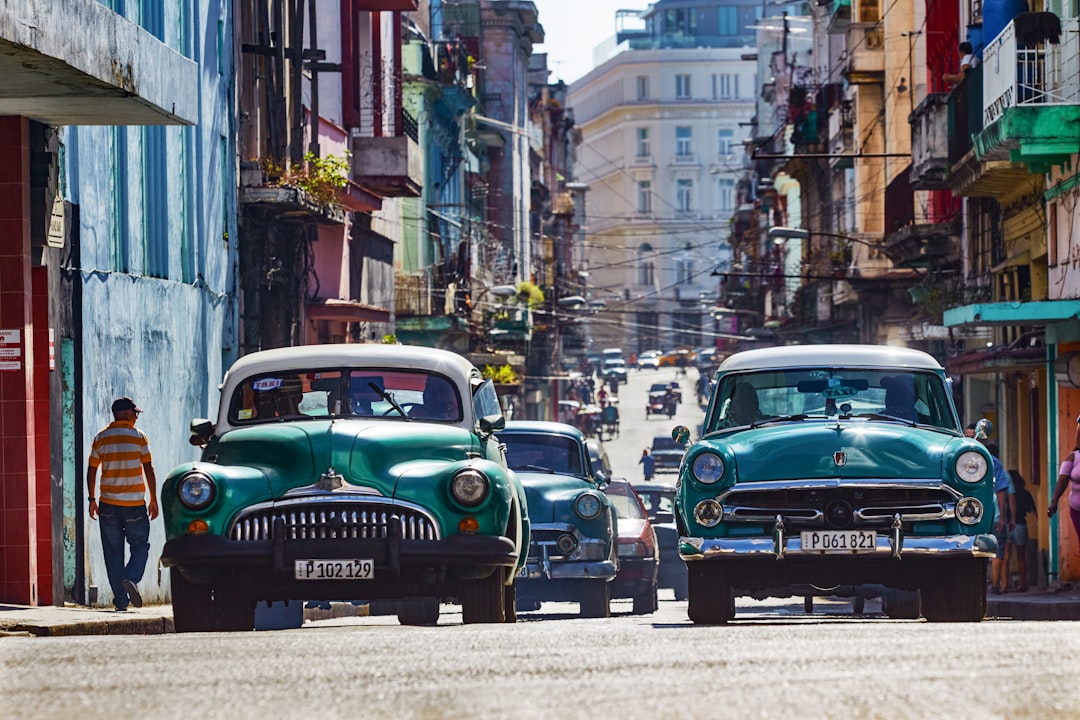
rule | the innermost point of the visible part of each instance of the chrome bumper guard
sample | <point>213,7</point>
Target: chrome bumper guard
<point>547,570</point>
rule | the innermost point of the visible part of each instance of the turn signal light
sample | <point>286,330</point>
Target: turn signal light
<point>198,527</point>
<point>468,526</point>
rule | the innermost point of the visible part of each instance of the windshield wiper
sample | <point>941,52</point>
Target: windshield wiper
<point>883,416</point>
<point>534,468</point>
<point>778,418</point>
<point>388,398</point>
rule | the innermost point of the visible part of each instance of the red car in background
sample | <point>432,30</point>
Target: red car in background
<point>639,555</point>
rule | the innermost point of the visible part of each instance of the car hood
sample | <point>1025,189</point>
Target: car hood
<point>371,454</point>
<point>545,492</point>
<point>808,450</point>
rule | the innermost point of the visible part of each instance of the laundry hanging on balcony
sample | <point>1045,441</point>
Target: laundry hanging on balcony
<point>1033,28</point>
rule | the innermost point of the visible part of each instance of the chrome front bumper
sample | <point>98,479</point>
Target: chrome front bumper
<point>548,570</point>
<point>892,545</point>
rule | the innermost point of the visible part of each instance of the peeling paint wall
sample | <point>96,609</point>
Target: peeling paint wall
<point>159,303</point>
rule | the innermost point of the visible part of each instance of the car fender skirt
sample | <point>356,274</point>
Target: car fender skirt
<point>696,548</point>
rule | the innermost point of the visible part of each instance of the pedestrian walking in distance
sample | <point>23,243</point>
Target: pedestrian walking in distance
<point>648,464</point>
<point>122,453</point>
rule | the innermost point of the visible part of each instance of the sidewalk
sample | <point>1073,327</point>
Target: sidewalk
<point>19,620</point>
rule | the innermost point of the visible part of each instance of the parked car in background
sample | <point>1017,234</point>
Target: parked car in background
<point>344,472</point>
<point>648,360</point>
<point>834,465</point>
<point>639,557</point>
<point>679,357</point>
<point>574,529</point>
<point>658,499</point>
<point>667,453</point>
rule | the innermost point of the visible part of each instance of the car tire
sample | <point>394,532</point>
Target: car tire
<point>710,599</point>
<point>482,601</point>
<point>510,603</point>
<point>808,604</point>
<point>418,611</point>
<point>958,594</point>
<point>233,607</point>
<point>192,603</point>
<point>646,602</point>
<point>901,604</point>
<point>595,599</point>
<point>858,604</point>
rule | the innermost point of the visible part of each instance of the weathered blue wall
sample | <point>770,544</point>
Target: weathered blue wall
<point>157,209</point>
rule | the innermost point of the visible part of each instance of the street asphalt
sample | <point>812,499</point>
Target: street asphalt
<point>19,620</point>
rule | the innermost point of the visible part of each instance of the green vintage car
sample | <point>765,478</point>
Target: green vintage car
<point>346,472</point>
<point>573,556</point>
<point>835,465</point>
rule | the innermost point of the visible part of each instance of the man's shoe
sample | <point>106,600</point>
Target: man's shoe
<point>117,608</point>
<point>133,593</point>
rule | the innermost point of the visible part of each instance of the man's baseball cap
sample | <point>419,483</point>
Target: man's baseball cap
<point>125,403</point>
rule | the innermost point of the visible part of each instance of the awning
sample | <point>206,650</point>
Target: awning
<point>995,360</point>
<point>346,311</point>
<point>355,198</point>
<point>1036,312</point>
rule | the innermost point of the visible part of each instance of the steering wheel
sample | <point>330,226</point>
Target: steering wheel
<point>406,407</point>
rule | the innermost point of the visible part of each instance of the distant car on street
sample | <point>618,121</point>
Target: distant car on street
<point>574,528</point>
<point>614,368</point>
<point>648,360</point>
<point>666,453</point>
<point>639,557</point>
<point>658,499</point>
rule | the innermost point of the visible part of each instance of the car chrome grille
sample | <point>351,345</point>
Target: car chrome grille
<point>333,520</point>
<point>861,506</point>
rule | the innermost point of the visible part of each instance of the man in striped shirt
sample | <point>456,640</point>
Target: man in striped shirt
<point>123,455</point>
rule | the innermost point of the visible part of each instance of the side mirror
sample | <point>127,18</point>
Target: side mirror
<point>201,431</point>
<point>489,424</point>
<point>681,434</point>
<point>984,429</point>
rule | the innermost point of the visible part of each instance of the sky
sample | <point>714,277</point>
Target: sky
<point>573,28</point>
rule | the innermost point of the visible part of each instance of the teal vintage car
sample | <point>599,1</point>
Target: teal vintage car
<point>346,472</point>
<point>573,556</point>
<point>834,465</point>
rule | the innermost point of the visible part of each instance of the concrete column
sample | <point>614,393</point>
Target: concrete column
<point>18,444</point>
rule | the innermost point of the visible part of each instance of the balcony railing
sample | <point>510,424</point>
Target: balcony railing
<point>965,113</point>
<point>1016,75</point>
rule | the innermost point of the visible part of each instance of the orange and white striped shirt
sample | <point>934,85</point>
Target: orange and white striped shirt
<point>120,450</point>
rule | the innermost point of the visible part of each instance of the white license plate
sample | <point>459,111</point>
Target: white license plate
<point>355,569</point>
<point>839,541</point>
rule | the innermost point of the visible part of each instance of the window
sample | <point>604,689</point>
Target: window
<point>642,87</point>
<point>728,20</point>
<point>682,86</point>
<point>684,145</point>
<point>684,195</point>
<point>725,141</point>
<point>726,198</point>
<point>725,86</point>
<point>643,142</point>
<point>646,268</point>
<point>644,196</point>
<point>684,271</point>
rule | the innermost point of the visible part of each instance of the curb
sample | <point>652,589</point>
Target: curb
<point>1020,610</point>
<point>127,626</point>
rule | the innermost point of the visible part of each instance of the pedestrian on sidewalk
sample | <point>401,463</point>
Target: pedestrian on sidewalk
<point>1069,477</point>
<point>1018,537</point>
<point>122,453</point>
<point>648,464</point>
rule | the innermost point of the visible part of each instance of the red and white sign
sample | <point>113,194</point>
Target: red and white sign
<point>10,350</point>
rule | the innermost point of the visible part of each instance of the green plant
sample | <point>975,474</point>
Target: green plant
<point>319,177</point>
<point>389,339</point>
<point>530,294</point>
<point>504,374</point>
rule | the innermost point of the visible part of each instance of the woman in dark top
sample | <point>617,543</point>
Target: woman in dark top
<point>1018,537</point>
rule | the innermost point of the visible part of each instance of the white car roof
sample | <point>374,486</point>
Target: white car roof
<point>457,368</point>
<point>829,356</point>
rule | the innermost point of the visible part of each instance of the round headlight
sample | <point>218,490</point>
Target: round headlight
<point>587,505</point>
<point>469,487</point>
<point>196,490</point>
<point>969,511</point>
<point>708,468</point>
<point>708,513</point>
<point>971,466</point>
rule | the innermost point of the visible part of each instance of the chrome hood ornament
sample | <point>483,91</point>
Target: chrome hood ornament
<point>330,480</point>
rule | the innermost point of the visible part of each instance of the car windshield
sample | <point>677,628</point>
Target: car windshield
<point>657,502</point>
<point>658,388</point>
<point>543,452</point>
<point>624,502</point>
<point>898,395</point>
<point>390,394</point>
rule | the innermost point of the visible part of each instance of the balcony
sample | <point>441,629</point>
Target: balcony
<point>929,143</point>
<point>841,135</point>
<point>864,61</point>
<point>1031,97</point>
<point>388,166</point>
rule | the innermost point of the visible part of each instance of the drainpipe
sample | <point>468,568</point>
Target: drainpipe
<point>1051,458</point>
